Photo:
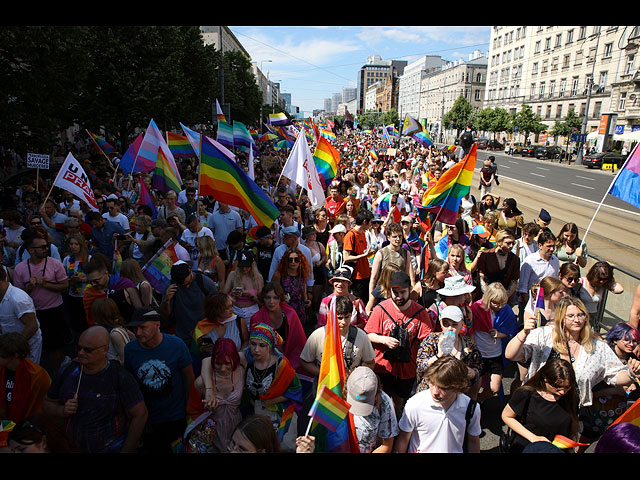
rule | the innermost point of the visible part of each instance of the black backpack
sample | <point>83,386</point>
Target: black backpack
<point>402,353</point>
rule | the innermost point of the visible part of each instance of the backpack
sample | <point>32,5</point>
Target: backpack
<point>402,353</point>
<point>466,140</point>
<point>169,325</point>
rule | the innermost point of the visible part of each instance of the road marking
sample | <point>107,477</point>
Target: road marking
<point>542,168</point>
<point>537,175</point>
<point>505,166</point>
<point>572,196</point>
<point>586,178</point>
<point>583,186</point>
<point>511,161</point>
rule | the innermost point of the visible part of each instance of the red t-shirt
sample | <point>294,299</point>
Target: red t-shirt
<point>356,243</point>
<point>380,323</point>
<point>334,207</point>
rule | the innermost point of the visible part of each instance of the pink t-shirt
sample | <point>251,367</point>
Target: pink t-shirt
<point>43,298</point>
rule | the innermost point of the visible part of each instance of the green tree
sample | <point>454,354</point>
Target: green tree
<point>460,114</point>
<point>528,122</point>
<point>565,127</point>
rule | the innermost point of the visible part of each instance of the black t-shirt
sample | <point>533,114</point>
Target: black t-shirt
<point>542,417</point>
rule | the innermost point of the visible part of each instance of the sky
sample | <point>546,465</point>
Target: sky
<point>313,62</point>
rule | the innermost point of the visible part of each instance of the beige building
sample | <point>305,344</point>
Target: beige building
<point>590,69</point>
<point>439,90</point>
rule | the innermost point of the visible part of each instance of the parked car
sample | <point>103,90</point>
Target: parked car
<point>553,152</point>
<point>494,145</point>
<point>528,150</point>
<point>515,147</point>
<point>482,143</point>
<point>596,160</point>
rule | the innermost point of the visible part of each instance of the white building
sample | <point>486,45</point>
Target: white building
<point>410,83</point>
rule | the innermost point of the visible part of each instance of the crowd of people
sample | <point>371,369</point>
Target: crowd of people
<point>431,315</point>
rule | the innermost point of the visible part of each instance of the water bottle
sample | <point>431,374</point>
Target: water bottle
<point>449,339</point>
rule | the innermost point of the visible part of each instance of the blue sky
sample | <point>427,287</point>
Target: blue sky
<point>313,62</point>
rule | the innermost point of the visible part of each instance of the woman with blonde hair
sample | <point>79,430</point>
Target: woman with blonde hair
<point>105,313</point>
<point>457,266</point>
<point>209,261</point>
<point>243,285</point>
<point>571,337</point>
<point>381,291</point>
<point>74,266</point>
<point>494,324</point>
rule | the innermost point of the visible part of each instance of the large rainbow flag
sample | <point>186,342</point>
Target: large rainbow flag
<point>327,158</point>
<point>627,183</point>
<point>223,179</point>
<point>332,377</point>
<point>445,196</point>
<point>154,150</point>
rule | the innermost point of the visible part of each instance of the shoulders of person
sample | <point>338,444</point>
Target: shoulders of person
<point>19,296</point>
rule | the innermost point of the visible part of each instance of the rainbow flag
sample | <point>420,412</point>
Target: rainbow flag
<point>444,197</point>
<point>329,409</point>
<point>332,378</point>
<point>180,146</point>
<point>563,442</point>
<point>422,137</point>
<point>278,119</point>
<point>327,158</point>
<point>132,163</point>
<point>223,179</point>
<point>101,145</point>
<point>631,415</point>
<point>373,153</point>
<point>165,175</point>
<point>626,186</point>
<point>225,134</point>
<point>285,421</point>
<point>158,269</point>
<point>328,134</point>
<point>384,207</point>
<point>154,149</point>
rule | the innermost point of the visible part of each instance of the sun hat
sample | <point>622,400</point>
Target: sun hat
<point>454,286</point>
<point>342,273</point>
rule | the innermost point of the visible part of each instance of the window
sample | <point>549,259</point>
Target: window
<point>537,47</point>
<point>566,61</point>
<point>630,68</point>
<point>563,87</point>
<point>622,101</point>
<point>569,36</point>
<point>552,88</point>
<point>582,33</point>
<point>608,49</point>
<point>547,43</point>
<point>574,85</point>
<point>558,40</point>
<point>532,92</point>
<point>541,93</point>
<point>534,68</point>
<point>559,111</point>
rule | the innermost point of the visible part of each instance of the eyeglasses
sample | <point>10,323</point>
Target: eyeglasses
<point>572,316</point>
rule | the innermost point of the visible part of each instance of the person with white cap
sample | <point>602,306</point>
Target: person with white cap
<point>464,348</point>
<point>373,412</point>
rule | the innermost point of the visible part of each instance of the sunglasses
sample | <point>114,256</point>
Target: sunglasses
<point>89,349</point>
<point>294,259</point>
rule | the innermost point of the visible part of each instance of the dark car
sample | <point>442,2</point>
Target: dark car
<point>494,145</point>
<point>528,150</point>
<point>596,160</point>
<point>482,143</point>
<point>553,152</point>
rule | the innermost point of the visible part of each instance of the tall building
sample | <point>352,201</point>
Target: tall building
<point>441,88</point>
<point>222,38</point>
<point>410,83</point>
<point>589,69</point>
<point>374,71</point>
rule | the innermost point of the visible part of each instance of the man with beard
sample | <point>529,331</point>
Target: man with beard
<point>396,327</point>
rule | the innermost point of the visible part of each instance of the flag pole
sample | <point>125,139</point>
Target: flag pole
<point>606,193</point>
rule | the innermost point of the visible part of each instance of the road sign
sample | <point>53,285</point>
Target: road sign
<point>579,137</point>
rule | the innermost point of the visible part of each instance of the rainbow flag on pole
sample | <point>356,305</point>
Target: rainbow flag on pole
<point>327,158</point>
<point>219,112</point>
<point>445,196</point>
<point>223,179</point>
<point>101,144</point>
<point>563,442</point>
<point>332,378</point>
<point>165,175</point>
<point>631,415</point>
<point>329,408</point>
<point>158,269</point>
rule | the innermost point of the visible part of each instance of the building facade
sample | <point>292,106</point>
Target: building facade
<point>410,83</point>
<point>554,69</point>
<point>375,70</point>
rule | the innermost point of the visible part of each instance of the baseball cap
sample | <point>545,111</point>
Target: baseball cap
<point>142,315</point>
<point>480,231</point>
<point>362,386</point>
<point>292,230</point>
<point>452,313</point>
<point>179,271</point>
<point>340,228</point>
<point>246,258</point>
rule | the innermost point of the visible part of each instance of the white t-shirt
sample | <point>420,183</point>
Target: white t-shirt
<point>434,430</point>
<point>119,218</point>
<point>14,305</point>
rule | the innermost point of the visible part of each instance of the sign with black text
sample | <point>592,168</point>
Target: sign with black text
<point>36,160</point>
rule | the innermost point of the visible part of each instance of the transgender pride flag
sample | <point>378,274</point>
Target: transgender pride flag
<point>627,184</point>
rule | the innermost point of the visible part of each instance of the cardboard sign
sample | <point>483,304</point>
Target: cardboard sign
<point>36,160</point>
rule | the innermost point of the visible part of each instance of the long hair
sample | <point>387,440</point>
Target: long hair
<point>258,429</point>
<point>553,372</point>
<point>304,264</point>
<point>385,277</point>
<point>105,312</point>
<point>569,228</point>
<point>599,270</point>
<point>435,265</point>
<point>225,351</point>
<point>83,255</point>
<point>587,336</point>
<point>459,249</point>
<point>495,292</point>
<point>550,285</point>
<point>206,245</point>
<point>130,269</point>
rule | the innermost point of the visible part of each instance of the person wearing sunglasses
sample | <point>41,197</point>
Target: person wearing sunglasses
<point>101,403</point>
<point>291,274</point>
